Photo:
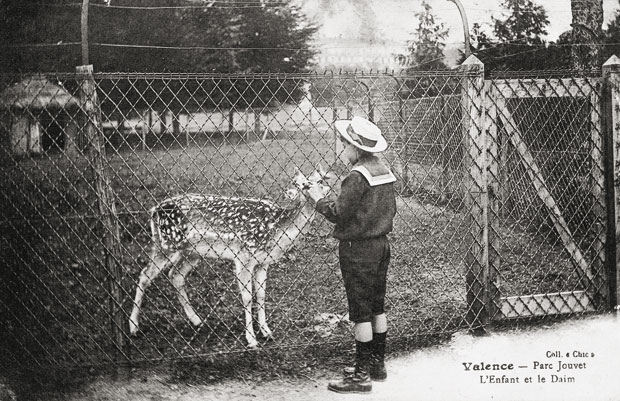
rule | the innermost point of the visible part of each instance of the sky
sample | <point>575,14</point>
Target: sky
<point>396,19</point>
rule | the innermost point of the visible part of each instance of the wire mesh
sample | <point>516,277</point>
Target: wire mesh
<point>550,203</point>
<point>241,137</point>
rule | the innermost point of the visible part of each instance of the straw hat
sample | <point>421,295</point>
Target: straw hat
<point>362,134</point>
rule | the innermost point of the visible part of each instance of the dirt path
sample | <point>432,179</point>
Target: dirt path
<point>587,350</point>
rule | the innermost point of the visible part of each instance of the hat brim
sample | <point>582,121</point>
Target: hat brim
<point>341,127</point>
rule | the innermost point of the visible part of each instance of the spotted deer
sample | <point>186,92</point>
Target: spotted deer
<point>252,233</point>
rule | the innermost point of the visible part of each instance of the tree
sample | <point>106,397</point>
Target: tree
<point>587,31</point>
<point>276,28</point>
<point>526,23</point>
<point>517,43</point>
<point>216,35</point>
<point>426,50</point>
<point>53,24</point>
<point>168,36</point>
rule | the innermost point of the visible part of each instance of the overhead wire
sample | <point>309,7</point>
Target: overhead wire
<point>207,4</point>
<point>248,4</point>
<point>129,45</point>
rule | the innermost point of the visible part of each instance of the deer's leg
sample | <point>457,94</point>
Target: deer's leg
<point>243,271</point>
<point>159,262</point>
<point>260,287</point>
<point>178,281</point>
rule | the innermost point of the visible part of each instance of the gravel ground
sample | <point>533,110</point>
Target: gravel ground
<point>588,345</point>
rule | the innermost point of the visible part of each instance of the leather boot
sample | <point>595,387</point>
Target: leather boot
<point>357,381</point>
<point>377,359</point>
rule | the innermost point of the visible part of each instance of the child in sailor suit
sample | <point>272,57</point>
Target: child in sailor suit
<point>363,215</point>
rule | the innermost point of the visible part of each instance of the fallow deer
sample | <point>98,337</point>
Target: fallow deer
<point>252,233</point>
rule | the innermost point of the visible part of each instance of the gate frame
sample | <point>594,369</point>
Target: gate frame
<point>476,194</point>
<point>611,133</point>
<point>482,104</point>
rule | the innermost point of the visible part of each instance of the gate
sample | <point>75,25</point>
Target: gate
<point>538,157</point>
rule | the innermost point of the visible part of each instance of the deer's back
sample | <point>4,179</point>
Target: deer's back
<point>186,220</point>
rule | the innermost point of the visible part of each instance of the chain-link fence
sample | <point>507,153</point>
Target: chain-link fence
<point>500,194</point>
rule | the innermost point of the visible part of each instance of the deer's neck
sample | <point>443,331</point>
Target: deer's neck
<point>295,224</point>
<point>304,216</point>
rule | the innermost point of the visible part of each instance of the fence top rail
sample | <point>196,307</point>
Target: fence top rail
<point>217,75</point>
<point>567,73</point>
<point>549,87</point>
<point>344,74</point>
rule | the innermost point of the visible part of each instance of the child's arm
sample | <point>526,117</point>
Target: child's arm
<point>342,208</point>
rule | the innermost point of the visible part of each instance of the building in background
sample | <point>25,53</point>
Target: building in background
<point>352,37</point>
<point>354,54</point>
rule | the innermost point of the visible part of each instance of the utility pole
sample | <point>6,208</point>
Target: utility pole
<point>84,31</point>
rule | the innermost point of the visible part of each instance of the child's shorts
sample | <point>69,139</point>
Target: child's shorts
<point>364,265</point>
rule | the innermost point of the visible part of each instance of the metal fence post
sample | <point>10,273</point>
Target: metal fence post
<point>444,139</point>
<point>611,133</point>
<point>476,195</point>
<point>105,200</point>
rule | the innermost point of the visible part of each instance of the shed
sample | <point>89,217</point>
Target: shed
<point>39,116</point>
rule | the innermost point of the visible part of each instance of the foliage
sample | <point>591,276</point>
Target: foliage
<point>426,50</point>
<point>425,53</point>
<point>195,37</point>
<point>28,22</point>
<point>168,36</point>
<point>517,42</point>
<point>525,24</point>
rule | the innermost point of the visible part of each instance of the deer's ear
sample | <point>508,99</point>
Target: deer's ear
<point>298,173</point>
<point>322,172</point>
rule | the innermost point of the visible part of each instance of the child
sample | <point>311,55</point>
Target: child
<point>363,214</point>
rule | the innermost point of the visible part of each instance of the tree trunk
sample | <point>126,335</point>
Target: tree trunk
<point>587,30</point>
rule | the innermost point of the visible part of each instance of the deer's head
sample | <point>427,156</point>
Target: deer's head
<point>302,183</point>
